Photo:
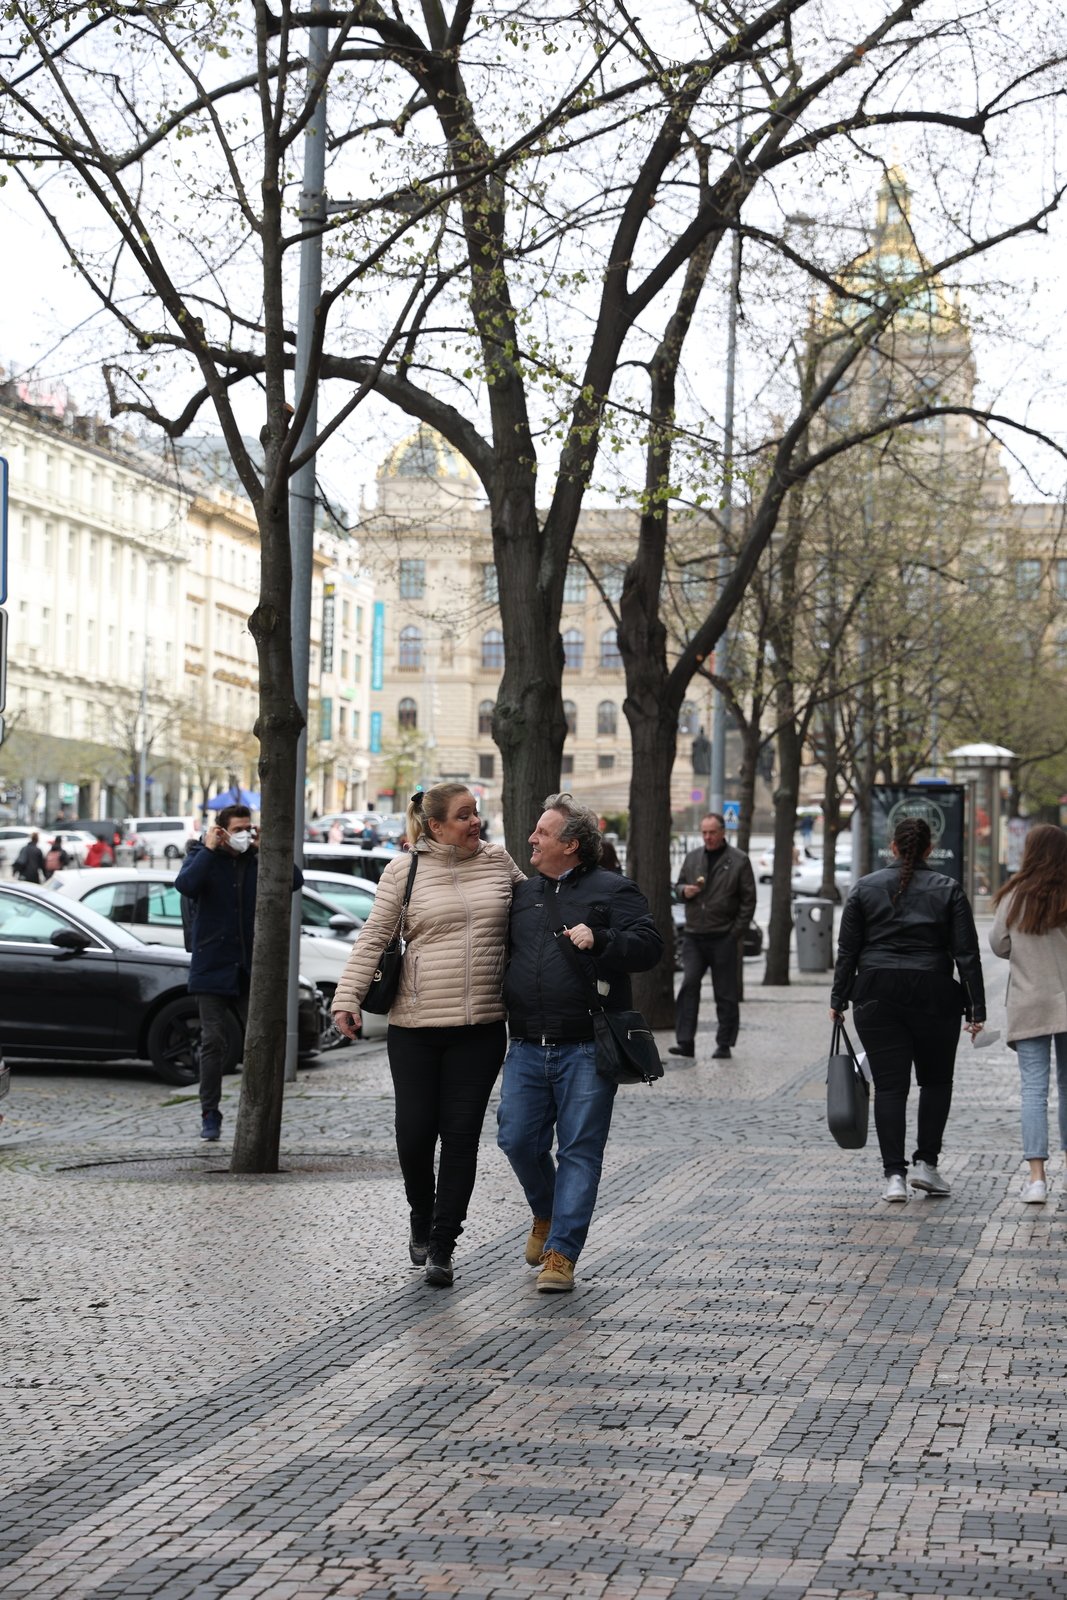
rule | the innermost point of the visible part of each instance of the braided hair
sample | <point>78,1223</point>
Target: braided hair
<point>912,838</point>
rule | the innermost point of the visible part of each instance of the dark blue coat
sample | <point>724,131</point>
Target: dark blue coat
<point>223,886</point>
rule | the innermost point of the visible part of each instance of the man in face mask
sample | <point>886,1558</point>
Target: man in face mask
<point>220,877</point>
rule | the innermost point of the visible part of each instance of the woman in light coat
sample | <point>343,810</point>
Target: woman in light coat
<point>1030,931</point>
<point>446,1037</point>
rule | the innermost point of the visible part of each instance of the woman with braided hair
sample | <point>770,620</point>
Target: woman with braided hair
<point>1030,930</point>
<point>903,930</point>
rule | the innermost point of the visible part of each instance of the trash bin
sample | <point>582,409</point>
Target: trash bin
<point>814,924</point>
<point>124,855</point>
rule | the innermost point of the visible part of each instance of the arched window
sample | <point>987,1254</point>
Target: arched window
<point>570,712</point>
<point>485,716</point>
<point>610,657</point>
<point>574,649</point>
<point>410,649</point>
<point>607,719</point>
<point>687,718</point>
<point>407,713</point>
<point>493,649</point>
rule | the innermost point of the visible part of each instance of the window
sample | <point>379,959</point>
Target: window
<point>490,583</point>
<point>407,713</point>
<point>25,922</point>
<point>72,553</point>
<point>1061,651</point>
<point>570,714</point>
<point>410,649</point>
<point>493,649</point>
<point>1061,579</point>
<point>610,657</point>
<point>611,579</point>
<point>412,579</point>
<point>485,716</point>
<point>342,721</point>
<point>326,717</point>
<point>1027,579</point>
<point>695,587</point>
<point>687,718</point>
<point>487,768</point>
<point>160,907</point>
<point>574,583</point>
<point>566,767</point>
<point>605,763</point>
<point>344,664</point>
<point>607,719</point>
<point>573,650</point>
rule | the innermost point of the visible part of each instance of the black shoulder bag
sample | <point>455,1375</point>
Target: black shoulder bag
<point>848,1096</point>
<point>386,980</point>
<point>625,1049</point>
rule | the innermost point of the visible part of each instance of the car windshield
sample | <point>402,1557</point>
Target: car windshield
<point>315,912</point>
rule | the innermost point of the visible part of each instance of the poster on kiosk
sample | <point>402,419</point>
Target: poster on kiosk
<point>942,805</point>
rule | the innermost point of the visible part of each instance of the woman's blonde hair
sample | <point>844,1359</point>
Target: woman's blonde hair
<point>431,806</point>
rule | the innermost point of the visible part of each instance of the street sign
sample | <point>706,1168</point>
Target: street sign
<point>731,814</point>
<point>3,531</point>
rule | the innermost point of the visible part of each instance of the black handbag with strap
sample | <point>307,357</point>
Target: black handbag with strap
<point>625,1048</point>
<point>848,1095</point>
<point>386,980</point>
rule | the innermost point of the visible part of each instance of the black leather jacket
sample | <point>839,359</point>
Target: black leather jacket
<point>543,991</point>
<point>930,928</point>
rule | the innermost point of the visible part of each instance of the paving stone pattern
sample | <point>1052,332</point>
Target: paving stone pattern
<point>767,1382</point>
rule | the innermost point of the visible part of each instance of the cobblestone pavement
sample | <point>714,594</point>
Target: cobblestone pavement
<point>767,1383</point>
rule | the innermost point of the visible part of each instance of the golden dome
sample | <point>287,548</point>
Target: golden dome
<point>425,454</point>
<point>893,258</point>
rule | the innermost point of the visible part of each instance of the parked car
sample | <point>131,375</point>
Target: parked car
<point>161,836</point>
<point>807,877</point>
<point>13,838</point>
<point>146,904</point>
<point>353,895</point>
<point>74,985</point>
<point>351,859</point>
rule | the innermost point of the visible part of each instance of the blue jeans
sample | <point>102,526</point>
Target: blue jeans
<point>1034,1062</point>
<point>556,1086</point>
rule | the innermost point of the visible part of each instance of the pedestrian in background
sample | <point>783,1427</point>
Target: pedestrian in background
<point>1030,931</point>
<point>717,886</point>
<point>29,863</point>
<point>56,858</point>
<point>446,1036</point>
<point>903,930</point>
<point>551,1083</point>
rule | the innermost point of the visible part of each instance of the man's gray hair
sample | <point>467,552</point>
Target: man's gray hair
<point>578,823</point>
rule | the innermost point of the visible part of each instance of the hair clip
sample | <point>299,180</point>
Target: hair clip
<point>416,798</point>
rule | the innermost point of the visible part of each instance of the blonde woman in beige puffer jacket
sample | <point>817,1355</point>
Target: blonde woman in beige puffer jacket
<point>447,1037</point>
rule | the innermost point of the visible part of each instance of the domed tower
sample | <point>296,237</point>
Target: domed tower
<point>427,475</point>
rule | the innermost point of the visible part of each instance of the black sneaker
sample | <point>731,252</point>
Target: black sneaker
<point>722,1053</point>
<point>419,1240</point>
<point>438,1269</point>
<point>211,1126</point>
<point>682,1050</point>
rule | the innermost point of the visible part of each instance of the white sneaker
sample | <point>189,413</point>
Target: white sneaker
<point>1036,1193</point>
<point>924,1176</point>
<point>896,1188</point>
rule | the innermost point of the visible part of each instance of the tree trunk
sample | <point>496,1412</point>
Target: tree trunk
<point>654,740</point>
<point>785,823</point>
<point>751,737</point>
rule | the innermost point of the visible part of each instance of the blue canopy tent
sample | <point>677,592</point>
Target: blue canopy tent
<point>234,797</point>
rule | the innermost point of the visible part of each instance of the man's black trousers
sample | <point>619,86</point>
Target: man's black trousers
<point>699,952</point>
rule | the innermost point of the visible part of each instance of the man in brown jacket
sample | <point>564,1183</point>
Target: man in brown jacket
<point>718,889</point>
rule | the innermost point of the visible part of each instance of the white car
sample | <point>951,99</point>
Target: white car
<point>145,902</point>
<point>12,839</point>
<point>353,895</point>
<point>807,877</point>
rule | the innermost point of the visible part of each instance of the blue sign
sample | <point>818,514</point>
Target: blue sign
<point>377,646</point>
<point>3,531</point>
<point>731,814</point>
<point>375,733</point>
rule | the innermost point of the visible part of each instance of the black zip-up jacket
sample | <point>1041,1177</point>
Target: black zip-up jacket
<point>928,930</point>
<point>544,993</point>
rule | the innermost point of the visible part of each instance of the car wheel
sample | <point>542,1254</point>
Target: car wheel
<point>173,1042</point>
<point>331,1037</point>
<point>172,852</point>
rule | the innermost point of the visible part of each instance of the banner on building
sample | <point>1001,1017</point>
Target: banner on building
<point>329,591</point>
<point>375,733</point>
<point>942,805</point>
<point>326,717</point>
<point>377,646</point>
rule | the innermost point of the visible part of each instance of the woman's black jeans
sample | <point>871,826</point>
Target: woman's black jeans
<point>894,1035</point>
<point>442,1079</point>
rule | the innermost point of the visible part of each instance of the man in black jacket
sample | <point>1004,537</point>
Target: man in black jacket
<point>550,1077</point>
<point>718,890</point>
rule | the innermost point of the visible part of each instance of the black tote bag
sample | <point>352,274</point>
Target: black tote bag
<point>386,980</point>
<point>848,1094</point>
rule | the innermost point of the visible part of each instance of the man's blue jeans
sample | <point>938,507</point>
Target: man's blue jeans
<point>556,1086</point>
<point>1034,1063</point>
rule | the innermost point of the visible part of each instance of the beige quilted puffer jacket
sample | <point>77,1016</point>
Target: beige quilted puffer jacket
<point>456,929</point>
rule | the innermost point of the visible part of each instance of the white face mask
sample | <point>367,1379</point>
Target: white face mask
<point>239,841</point>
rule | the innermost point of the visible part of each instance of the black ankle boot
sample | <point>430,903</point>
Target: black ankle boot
<point>438,1268</point>
<point>418,1240</point>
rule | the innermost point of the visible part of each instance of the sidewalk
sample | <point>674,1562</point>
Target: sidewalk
<point>767,1383</point>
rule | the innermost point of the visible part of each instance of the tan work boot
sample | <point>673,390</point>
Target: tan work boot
<point>535,1244</point>
<point>556,1275</point>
